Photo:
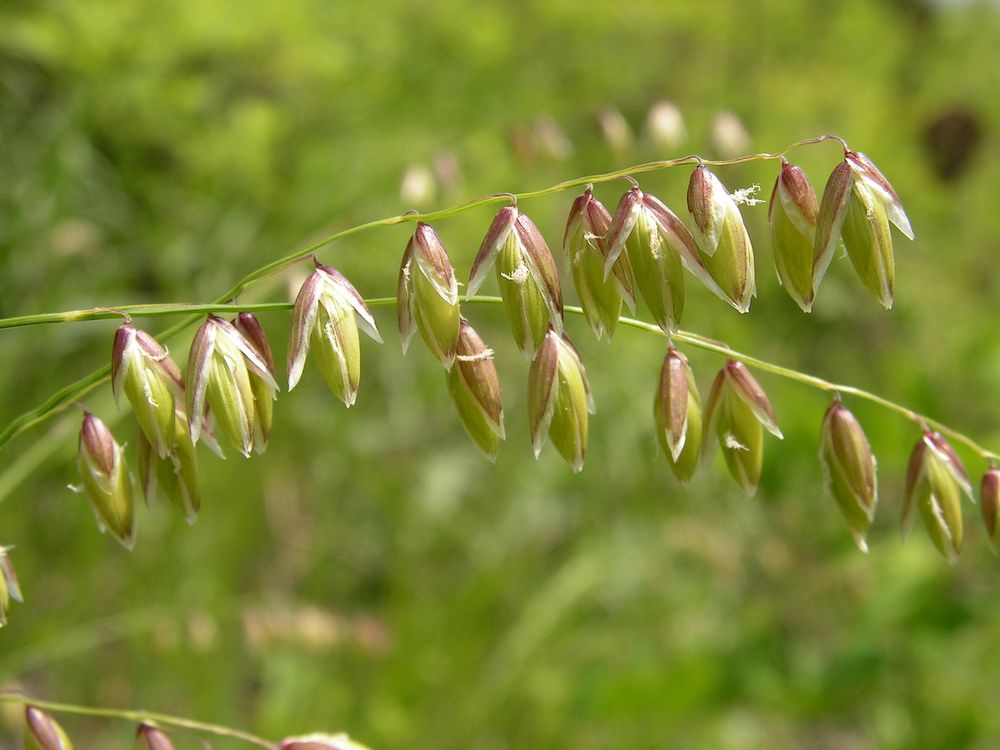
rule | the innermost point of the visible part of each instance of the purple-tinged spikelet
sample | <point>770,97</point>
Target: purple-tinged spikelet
<point>9,586</point>
<point>989,504</point>
<point>677,414</point>
<point>475,389</point>
<point>792,215</point>
<point>152,383</point>
<point>176,476</point>
<point>219,368</point>
<point>722,238</point>
<point>858,205</point>
<point>319,741</point>
<point>263,394</point>
<point>148,737</point>
<point>559,399</point>
<point>849,470</point>
<point>735,414</point>
<point>106,480</point>
<point>657,247</point>
<point>584,244</point>
<point>935,481</point>
<point>526,273</point>
<point>327,315</point>
<point>427,295</point>
<point>41,732</point>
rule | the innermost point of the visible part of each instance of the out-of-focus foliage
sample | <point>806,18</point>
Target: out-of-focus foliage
<point>372,573</point>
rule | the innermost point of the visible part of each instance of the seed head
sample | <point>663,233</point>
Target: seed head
<point>264,395</point>
<point>657,246</point>
<point>417,186</point>
<point>9,587</point>
<point>219,368</point>
<point>989,504</point>
<point>737,410</point>
<point>41,732</point>
<point>526,273</point>
<point>176,475</point>
<point>935,481</point>
<point>677,413</point>
<point>321,742</point>
<point>792,217</point>
<point>106,480</point>
<point>475,389</point>
<point>427,295</point>
<point>584,245</point>
<point>858,205</point>
<point>849,470</point>
<point>728,135</point>
<point>722,238</point>
<point>152,383</point>
<point>615,130</point>
<point>550,139</point>
<point>327,315</point>
<point>148,737</point>
<point>559,399</point>
<point>665,129</point>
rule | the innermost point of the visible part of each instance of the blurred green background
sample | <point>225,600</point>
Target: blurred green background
<point>372,573</point>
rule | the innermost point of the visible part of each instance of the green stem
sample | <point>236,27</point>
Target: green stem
<point>133,311</point>
<point>687,337</point>
<point>139,717</point>
<point>652,166</point>
<point>65,398</point>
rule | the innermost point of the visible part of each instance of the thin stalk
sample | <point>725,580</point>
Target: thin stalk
<point>65,398</point>
<point>133,311</point>
<point>412,216</point>
<point>836,389</point>
<point>693,339</point>
<point>139,717</point>
<point>280,264</point>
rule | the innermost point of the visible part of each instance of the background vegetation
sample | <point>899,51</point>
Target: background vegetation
<point>372,572</point>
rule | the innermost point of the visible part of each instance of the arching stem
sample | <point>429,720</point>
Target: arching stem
<point>163,720</point>
<point>68,396</point>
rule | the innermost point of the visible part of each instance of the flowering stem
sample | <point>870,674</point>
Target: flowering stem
<point>69,395</point>
<point>139,717</point>
<point>65,397</point>
<point>411,216</point>
<point>137,311</point>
